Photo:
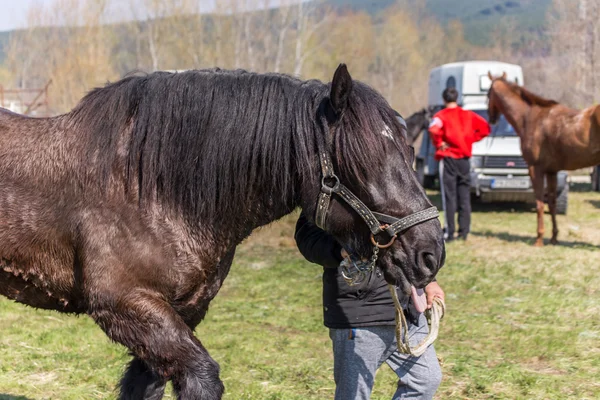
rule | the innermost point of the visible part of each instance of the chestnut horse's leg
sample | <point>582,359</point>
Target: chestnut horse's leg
<point>552,184</point>
<point>537,181</point>
<point>139,382</point>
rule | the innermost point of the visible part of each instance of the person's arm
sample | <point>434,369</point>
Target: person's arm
<point>436,130</point>
<point>316,245</point>
<point>481,128</point>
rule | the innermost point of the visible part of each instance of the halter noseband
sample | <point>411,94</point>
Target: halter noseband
<point>376,222</point>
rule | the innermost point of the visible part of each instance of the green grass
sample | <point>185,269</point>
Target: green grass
<point>521,323</point>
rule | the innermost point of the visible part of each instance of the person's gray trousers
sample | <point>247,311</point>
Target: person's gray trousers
<point>359,352</point>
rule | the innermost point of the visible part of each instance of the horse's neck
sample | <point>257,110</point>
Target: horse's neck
<point>415,126</point>
<point>261,210</point>
<point>514,108</point>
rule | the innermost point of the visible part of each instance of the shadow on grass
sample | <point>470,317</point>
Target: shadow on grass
<point>511,237</point>
<point>520,207</point>
<point>595,203</point>
<point>479,206</point>
<point>580,187</point>
<point>4,396</point>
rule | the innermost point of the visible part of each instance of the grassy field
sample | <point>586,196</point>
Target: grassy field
<point>522,322</point>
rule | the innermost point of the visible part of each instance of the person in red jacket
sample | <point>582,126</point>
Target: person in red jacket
<point>453,132</point>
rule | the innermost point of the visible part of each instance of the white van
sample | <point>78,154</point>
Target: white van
<point>498,170</point>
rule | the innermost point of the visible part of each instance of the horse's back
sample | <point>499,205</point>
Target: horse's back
<point>570,137</point>
<point>9,118</point>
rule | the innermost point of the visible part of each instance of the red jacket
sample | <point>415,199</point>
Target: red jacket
<point>459,129</point>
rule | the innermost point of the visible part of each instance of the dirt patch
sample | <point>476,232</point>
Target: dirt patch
<point>540,366</point>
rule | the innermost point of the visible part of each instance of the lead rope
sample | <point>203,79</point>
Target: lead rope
<point>434,315</point>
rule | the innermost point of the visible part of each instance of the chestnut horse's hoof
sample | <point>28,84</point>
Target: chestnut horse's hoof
<point>539,243</point>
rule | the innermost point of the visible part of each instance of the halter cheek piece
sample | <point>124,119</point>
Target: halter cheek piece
<point>377,223</point>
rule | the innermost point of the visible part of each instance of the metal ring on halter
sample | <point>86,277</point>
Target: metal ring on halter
<point>330,189</point>
<point>383,246</point>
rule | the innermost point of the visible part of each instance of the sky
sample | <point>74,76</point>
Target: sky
<point>13,13</point>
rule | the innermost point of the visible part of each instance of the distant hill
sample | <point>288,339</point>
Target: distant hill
<point>479,17</point>
<point>370,6</point>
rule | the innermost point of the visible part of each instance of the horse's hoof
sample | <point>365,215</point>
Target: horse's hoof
<point>539,243</point>
<point>554,241</point>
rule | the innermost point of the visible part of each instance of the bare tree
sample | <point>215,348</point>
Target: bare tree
<point>310,19</point>
<point>285,12</point>
<point>576,49</point>
<point>68,43</point>
<point>399,58</point>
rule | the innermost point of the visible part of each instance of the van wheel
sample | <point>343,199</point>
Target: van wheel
<point>596,179</point>
<point>562,201</point>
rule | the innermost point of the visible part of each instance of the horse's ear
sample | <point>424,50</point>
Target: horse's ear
<point>490,75</point>
<point>341,86</point>
<point>504,75</point>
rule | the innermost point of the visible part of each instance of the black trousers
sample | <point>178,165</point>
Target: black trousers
<point>455,181</point>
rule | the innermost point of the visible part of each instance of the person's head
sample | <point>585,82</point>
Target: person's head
<point>450,95</point>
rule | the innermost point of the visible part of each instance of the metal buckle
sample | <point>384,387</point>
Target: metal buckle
<point>330,189</point>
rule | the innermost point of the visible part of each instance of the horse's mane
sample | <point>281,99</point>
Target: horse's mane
<point>529,97</point>
<point>212,142</point>
<point>422,112</point>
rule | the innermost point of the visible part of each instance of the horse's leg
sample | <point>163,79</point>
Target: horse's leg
<point>139,382</point>
<point>192,381</point>
<point>537,181</point>
<point>143,322</point>
<point>552,184</point>
<point>127,287</point>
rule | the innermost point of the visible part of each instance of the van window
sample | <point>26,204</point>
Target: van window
<point>502,127</point>
<point>451,82</point>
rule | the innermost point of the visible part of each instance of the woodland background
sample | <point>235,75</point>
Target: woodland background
<point>389,44</point>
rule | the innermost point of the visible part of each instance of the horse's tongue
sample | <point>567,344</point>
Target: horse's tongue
<point>418,298</point>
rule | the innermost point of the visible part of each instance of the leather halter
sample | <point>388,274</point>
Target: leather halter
<point>377,223</point>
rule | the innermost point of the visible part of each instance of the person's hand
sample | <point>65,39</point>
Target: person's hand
<point>444,146</point>
<point>344,253</point>
<point>432,291</point>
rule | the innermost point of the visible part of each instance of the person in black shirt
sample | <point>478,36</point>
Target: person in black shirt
<point>361,322</point>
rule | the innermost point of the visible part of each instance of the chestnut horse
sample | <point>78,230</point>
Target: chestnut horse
<point>130,207</point>
<point>553,138</point>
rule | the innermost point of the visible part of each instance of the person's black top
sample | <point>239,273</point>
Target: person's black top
<point>367,304</point>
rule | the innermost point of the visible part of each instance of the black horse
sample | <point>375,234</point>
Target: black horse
<point>130,207</point>
<point>417,123</point>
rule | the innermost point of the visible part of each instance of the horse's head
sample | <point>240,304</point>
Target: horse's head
<point>372,159</point>
<point>494,110</point>
<point>417,123</point>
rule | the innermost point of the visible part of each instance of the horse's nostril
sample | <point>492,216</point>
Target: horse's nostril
<point>430,261</point>
<point>428,267</point>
